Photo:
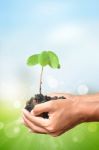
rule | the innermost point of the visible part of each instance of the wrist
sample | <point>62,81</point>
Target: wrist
<point>79,109</point>
<point>88,108</point>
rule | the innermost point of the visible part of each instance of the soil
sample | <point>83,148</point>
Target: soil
<point>40,98</point>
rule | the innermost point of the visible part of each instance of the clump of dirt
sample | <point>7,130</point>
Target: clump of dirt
<point>40,98</point>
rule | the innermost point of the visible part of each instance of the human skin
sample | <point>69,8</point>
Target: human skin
<point>63,114</point>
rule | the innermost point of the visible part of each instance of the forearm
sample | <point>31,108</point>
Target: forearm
<point>88,106</point>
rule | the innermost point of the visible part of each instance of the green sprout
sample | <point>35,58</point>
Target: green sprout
<point>45,58</point>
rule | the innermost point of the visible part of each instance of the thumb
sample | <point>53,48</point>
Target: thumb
<point>40,108</point>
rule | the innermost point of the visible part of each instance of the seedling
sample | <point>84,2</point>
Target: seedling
<point>45,58</point>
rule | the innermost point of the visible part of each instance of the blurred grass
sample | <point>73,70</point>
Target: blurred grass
<point>14,136</point>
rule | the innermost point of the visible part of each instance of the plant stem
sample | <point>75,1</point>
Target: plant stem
<point>40,89</point>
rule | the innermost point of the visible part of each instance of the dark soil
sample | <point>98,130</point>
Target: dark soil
<point>40,98</point>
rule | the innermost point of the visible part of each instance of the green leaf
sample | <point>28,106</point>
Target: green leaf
<point>53,60</point>
<point>44,58</point>
<point>33,60</point>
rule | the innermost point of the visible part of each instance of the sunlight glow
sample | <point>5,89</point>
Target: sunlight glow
<point>52,82</point>
<point>82,89</point>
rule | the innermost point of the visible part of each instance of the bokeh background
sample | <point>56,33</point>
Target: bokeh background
<point>69,28</point>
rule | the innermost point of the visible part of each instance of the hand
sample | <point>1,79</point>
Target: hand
<point>63,114</point>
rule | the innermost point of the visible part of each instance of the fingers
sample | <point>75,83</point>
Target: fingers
<point>33,127</point>
<point>36,129</point>
<point>57,110</point>
<point>40,108</point>
<point>39,121</point>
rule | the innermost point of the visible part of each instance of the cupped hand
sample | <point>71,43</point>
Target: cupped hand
<point>63,114</point>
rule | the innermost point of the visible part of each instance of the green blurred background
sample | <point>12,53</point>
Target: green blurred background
<point>70,29</point>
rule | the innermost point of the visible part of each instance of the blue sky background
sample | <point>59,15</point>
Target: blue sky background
<point>70,28</point>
